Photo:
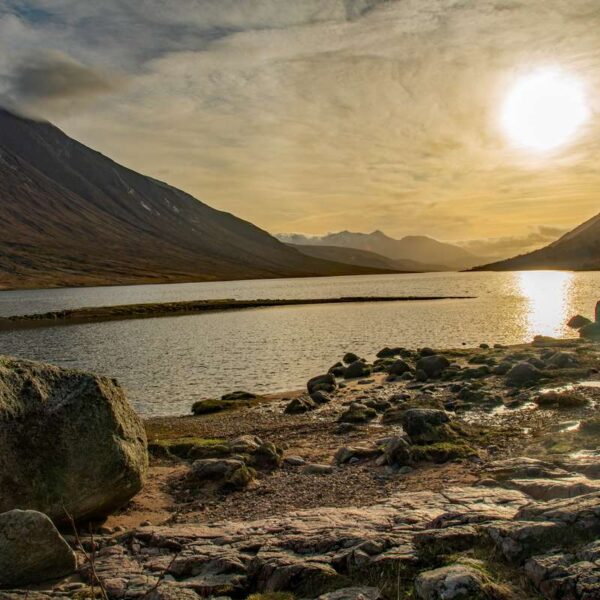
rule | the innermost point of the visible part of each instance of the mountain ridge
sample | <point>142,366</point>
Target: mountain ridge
<point>576,250</point>
<point>419,248</point>
<point>72,216</point>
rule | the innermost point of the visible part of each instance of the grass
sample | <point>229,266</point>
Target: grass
<point>441,452</point>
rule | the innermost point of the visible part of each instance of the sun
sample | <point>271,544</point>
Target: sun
<point>544,110</point>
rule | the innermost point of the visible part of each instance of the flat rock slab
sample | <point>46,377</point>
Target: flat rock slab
<point>306,551</point>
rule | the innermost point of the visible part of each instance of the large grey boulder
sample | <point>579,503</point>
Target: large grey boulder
<point>31,549</point>
<point>69,442</point>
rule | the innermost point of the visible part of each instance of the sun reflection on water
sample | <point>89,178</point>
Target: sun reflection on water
<point>548,301</point>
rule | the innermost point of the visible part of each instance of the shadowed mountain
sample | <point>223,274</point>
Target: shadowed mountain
<point>71,216</point>
<point>418,248</point>
<point>364,258</point>
<point>578,250</point>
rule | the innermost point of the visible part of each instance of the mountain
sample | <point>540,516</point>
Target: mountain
<point>419,248</point>
<point>353,256</point>
<point>578,250</point>
<point>71,216</point>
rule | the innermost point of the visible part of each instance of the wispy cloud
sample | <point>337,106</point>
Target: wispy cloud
<point>323,114</point>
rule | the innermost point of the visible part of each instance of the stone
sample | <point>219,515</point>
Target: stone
<point>337,370</point>
<point>550,489</point>
<point>31,549</point>
<point>578,321</point>
<point>350,357</point>
<point>503,368</point>
<point>228,473</point>
<point>432,365</point>
<point>320,397</point>
<point>318,469</point>
<point>68,441</point>
<point>454,582</point>
<point>591,331</point>
<point>300,405</point>
<point>398,367</point>
<point>346,454</point>
<point>356,369</point>
<point>426,425</point>
<point>324,383</point>
<point>358,413</point>
<point>563,360</point>
<point>396,452</point>
<point>523,373</point>
<point>294,461</point>
<point>353,593</point>
<point>524,467</point>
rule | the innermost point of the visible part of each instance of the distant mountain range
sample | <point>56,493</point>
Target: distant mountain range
<point>71,216</point>
<point>578,250</point>
<point>410,253</point>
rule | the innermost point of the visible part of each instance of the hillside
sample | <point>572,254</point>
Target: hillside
<point>418,248</point>
<point>578,250</point>
<point>71,216</point>
<point>364,258</point>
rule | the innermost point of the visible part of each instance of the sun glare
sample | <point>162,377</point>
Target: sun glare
<point>544,110</point>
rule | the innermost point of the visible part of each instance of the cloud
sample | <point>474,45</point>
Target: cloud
<point>322,114</point>
<point>55,76</point>
<point>506,247</point>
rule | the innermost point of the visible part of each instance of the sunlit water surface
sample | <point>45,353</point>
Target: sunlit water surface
<point>168,363</point>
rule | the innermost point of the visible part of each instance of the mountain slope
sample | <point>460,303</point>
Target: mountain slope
<point>578,250</point>
<point>71,216</point>
<point>353,256</point>
<point>417,248</point>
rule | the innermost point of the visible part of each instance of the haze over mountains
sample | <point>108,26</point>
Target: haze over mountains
<point>578,250</point>
<point>71,216</point>
<point>411,253</point>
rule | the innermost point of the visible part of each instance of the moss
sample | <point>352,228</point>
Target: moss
<point>183,447</point>
<point>561,399</point>
<point>441,452</point>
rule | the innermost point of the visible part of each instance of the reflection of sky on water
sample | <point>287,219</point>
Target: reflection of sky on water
<point>548,301</point>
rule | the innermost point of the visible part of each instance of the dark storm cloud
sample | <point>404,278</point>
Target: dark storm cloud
<point>55,76</point>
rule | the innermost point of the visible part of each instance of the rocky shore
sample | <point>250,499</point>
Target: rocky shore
<point>425,474</point>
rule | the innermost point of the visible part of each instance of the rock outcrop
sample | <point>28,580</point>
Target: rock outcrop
<point>70,443</point>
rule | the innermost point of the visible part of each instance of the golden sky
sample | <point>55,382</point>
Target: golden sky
<point>322,115</point>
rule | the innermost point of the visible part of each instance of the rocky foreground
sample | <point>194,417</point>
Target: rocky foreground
<point>426,474</point>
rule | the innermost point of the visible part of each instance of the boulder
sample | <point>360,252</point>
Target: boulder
<point>350,357</point>
<point>337,370</point>
<point>355,453</point>
<point>426,425</point>
<point>454,582</point>
<point>590,331</point>
<point>358,413</point>
<point>396,451</point>
<point>398,367</point>
<point>578,321</point>
<point>563,360</point>
<point>324,383</point>
<point>320,397</point>
<point>433,365</point>
<point>31,549</point>
<point>69,441</point>
<point>523,373</point>
<point>356,369</point>
<point>228,473</point>
<point>389,352</point>
<point>300,405</point>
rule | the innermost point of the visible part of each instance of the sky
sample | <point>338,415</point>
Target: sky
<point>315,116</point>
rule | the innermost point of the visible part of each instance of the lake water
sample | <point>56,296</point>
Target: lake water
<point>168,363</point>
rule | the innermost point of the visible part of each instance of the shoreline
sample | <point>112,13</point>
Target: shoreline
<point>173,309</point>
